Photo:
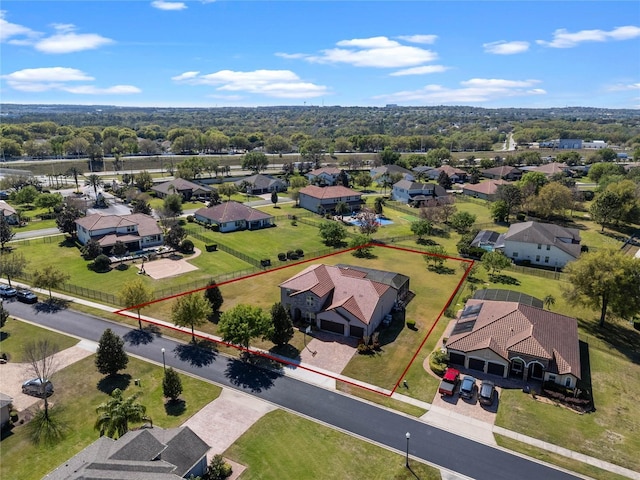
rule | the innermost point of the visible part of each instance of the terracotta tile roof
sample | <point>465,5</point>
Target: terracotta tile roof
<point>348,289</point>
<point>179,185</point>
<point>337,191</point>
<point>510,329</point>
<point>327,170</point>
<point>231,212</point>
<point>490,187</point>
<point>502,171</point>
<point>146,224</point>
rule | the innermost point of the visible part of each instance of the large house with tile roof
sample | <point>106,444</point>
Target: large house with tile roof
<point>342,299</point>
<point>137,230</point>
<point>230,216</point>
<point>505,172</point>
<point>259,184</point>
<point>324,176</point>
<point>543,244</point>
<point>510,339</point>
<point>486,190</point>
<point>148,453</point>
<point>324,199</point>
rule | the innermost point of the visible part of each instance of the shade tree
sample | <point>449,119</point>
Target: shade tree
<point>110,354</point>
<point>242,323</point>
<point>191,310</point>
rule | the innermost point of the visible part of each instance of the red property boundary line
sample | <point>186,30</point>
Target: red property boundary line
<point>124,312</point>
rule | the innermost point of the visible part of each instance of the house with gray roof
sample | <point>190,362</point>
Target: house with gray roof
<point>542,244</point>
<point>416,193</point>
<point>144,454</point>
<point>510,339</point>
<point>137,230</point>
<point>346,300</point>
<point>185,188</point>
<point>505,172</point>
<point>456,175</point>
<point>324,176</point>
<point>230,216</point>
<point>259,184</point>
<point>388,170</point>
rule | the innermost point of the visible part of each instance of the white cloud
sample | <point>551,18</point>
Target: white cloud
<point>624,86</point>
<point>564,39</point>
<point>171,6</point>
<point>424,70</point>
<point>59,78</point>
<point>424,39</point>
<point>9,30</point>
<point>272,83</point>
<point>67,41</point>
<point>506,48</point>
<point>377,52</point>
<point>475,90</point>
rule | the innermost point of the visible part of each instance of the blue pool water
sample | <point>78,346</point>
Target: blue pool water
<point>381,221</point>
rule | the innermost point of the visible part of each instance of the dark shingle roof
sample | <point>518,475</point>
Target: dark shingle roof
<point>566,239</point>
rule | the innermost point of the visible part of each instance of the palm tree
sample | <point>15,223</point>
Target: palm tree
<point>74,172</point>
<point>549,301</point>
<point>94,181</point>
<point>115,415</point>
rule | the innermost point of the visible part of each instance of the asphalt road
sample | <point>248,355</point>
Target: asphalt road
<point>442,448</point>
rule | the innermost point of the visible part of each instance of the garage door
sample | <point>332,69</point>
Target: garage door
<point>332,326</point>
<point>476,364</point>
<point>357,332</point>
<point>495,369</point>
<point>456,358</point>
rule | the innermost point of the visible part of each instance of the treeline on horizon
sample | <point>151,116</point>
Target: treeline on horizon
<point>56,130</point>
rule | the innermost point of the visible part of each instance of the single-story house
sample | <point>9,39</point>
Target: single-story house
<point>346,300</point>
<point>511,339</point>
<point>389,170</point>
<point>137,230</point>
<point>258,184</point>
<point>505,172</point>
<point>182,187</point>
<point>5,408</point>
<point>231,216</point>
<point>324,176</point>
<point>549,169</point>
<point>455,174</point>
<point>485,190</point>
<point>8,213</point>
<point>161,454</point>
<point>543,244</point>
<point>324,199</point>
<point>416,193</point>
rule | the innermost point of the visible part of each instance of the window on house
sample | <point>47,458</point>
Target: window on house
<point>548,247</point>
<point>537,258</point>
<point>567,382</point>
<point>552,378</point>
<point>539,247</point>
<point>546,259</point>
<point>311,301</point>
<point>515,254</point>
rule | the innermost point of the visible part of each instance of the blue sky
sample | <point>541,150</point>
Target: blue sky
<point>203,53</point>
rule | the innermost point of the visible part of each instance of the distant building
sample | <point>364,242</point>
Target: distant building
<point>505,172</point>
<point>182,187</point>
<point>324,199</point>
<point>596,144</point>
<point>231,216</point>
<point>324,176</point>
<point>456,175</point>
<point>485,190</point>
<point>387,170</point>
<point>259,184</point>
<point>416,193</point>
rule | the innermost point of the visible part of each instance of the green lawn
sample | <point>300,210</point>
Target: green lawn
<point>320,452</point>
<point>35,225</point>
<point>78,393</point>
<point>16,334</point>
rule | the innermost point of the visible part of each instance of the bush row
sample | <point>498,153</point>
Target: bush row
<point>291,255</point>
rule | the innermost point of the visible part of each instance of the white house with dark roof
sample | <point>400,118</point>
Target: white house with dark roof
<point>231,216</point>
<point>324,176</point>
<point>185,188</point>
<point>137,230</point>
<point>544,244</point>
<point>345,300</point>
<point>416,193</point>
<point>148,453</point>
<point>259,184</point>
<point>324,199</point>
<point>511,339</point>
<point>456,175</point>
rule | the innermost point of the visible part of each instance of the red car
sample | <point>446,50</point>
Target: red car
<point>449,381</point>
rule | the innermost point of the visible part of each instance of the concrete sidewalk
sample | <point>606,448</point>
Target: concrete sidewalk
<point>438,417</point>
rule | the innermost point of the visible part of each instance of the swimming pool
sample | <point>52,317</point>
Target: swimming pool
<point>381,222</point>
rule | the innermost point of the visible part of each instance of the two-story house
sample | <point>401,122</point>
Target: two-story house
<point>137,230</point>
<point>346,300</point>
<point>324,199</point>
<point>416,193</point>
<point>324,176</point>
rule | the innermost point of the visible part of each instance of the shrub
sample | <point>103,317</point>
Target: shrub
<point>411,324</point>
<point>294,223</point>
<point>282,257</point>
<point>190,218</point>
<point>265,262</point>
<point>364,349</point>
<point>182,222</point>
<point>521,217</point>
<point>186,246</point>
<point>218,469</point>
<point>438,362</point>
<point>101,263</point>
<point>211,247</point>
<point>299,252</point>
<point>291,255</point>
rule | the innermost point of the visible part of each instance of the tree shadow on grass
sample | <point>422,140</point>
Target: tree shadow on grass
<point>142,337</point>
<point>250,377</point>
<point>584,383</point>
<point>441,269</point>
<point>4,336</point>
<point>51,305</point>
<point>109,383</point>
<point>502,278</point>
<point>623,338</point>
<point>199,353</point>
<point>175,408</point>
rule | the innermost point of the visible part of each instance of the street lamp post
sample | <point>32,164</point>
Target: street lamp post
<point>408,435</point>
<point>164,365</point>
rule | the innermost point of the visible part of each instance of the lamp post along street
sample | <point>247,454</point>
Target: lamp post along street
<point>408,435</point>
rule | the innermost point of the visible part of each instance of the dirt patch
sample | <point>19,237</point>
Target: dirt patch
<point>169,267</point>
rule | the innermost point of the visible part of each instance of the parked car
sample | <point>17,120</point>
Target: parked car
<point>7,291</point>
<point>26,296</point>
<point>467,387</point>
<point>34,387</point>
<point>487,392</point>
<point>449,382</point>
